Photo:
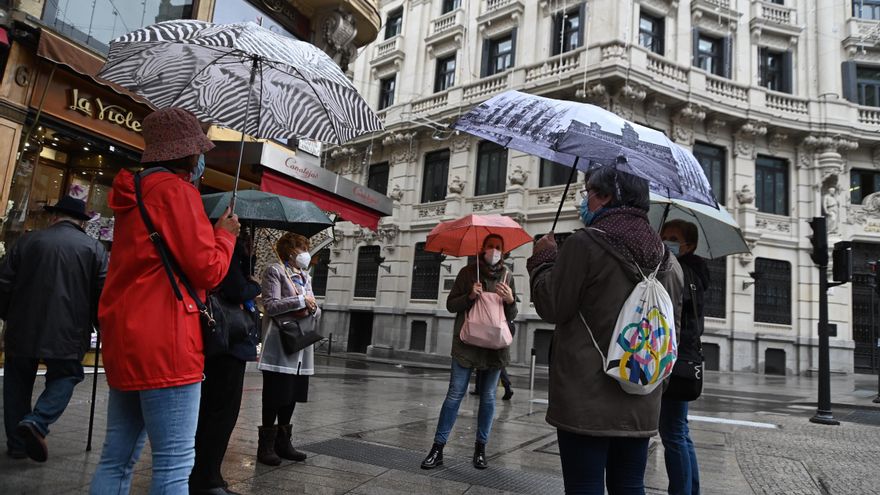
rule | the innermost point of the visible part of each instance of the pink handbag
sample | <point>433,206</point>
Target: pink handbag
<point>485,324</point>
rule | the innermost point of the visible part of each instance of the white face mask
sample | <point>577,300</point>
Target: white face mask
<point>492,256</point>
<point>303,260</point>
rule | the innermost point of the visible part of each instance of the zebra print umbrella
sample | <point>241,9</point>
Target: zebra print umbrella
<point>216,70</point>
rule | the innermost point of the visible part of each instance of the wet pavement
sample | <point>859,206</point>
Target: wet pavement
<point>368,425</point>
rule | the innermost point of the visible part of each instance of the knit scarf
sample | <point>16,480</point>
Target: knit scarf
<point>628,231</point>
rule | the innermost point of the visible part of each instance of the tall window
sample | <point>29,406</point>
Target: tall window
<point>553,174</point>
<point>498,54</point>
<point>394,23</point>
<point>651,32</point>
<point>319,278</point>
<point>386,91</point>
<point>713,159</point>
<point>773,291</point>
<point>868,86</point>
<point>774,70</point>
<point>568,31</point>
<point>367,272</point>
<point>435,176</point>
<point>771,185</point>
<point>426,274</point>
<point>377,179</point>
<point>491,168</point>
<point>863,183</point>
<point>450,5</point>
<point>866,9</point>
<point>712,54</point>
<point>714,299</point>
<point>445,75</point>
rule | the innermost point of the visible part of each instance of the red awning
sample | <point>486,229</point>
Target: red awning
<point>4,37</point>
<point>348,210</point>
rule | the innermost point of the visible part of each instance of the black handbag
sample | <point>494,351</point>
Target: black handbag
<point>214,337</point>
<point>239,324</point>
<point>686,380</point>
<point>294,337</point>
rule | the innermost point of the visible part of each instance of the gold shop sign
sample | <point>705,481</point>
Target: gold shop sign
<point>101,110</point>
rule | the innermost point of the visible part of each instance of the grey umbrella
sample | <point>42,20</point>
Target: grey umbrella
<point>267,210</point>
<point>719,234</point>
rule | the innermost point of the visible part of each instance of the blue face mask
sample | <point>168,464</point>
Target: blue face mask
<point>199,170</point>
<point>587,216</point>
<point>673,247</point>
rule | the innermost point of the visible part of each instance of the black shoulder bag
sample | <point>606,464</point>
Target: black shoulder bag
<point>686,381</point>
<point>214,335</point>
<point>297,329</point>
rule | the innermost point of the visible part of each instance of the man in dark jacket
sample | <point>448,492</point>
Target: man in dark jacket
<point>50,281</point>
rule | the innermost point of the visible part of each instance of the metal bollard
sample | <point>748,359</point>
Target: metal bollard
<point>532,370</point>
<point>330,344</point>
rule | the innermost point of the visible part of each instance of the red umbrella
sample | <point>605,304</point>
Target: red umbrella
<point>464,237</point>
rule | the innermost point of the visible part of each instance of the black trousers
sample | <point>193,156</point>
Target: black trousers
<point>218,412</point>
<point>505,380</point>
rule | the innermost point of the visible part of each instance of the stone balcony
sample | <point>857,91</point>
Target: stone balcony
<point>388,56</point>
<point>861,34</point>
<point>446,33</point>
<point>771,18</point>
<point>497,16</point>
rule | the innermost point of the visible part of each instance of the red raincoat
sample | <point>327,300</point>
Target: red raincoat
<point>150,339</point>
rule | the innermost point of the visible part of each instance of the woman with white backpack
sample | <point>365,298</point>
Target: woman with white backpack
<point>582,287</point>
<point>470,297</point>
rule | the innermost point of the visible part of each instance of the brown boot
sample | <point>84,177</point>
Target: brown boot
<point>284,448</point>
<point>266,448</point>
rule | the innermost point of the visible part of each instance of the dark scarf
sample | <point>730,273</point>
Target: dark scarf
<point>492,272</point>
<point>628,231</point>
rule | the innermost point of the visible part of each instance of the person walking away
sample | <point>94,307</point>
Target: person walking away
<point>50,283</point>
<point>493,277</point>
<point>603,432</point>
<point>287,287</point>
<point>682,468</point>
<point>224,378</point>
<point>152,340</point>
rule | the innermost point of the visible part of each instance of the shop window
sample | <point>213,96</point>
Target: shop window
<point>772,291</point>
<point>862,184</point>
<point>436,175</point>
<point>498,54</point>
<point>553,174</point>
<point>367,276</point>
<point>321,273</point>
<point>771,185</point>
<point>568,31</point>
<point>491,168</point>
<point>97,22</point>
<point>425,274</point>
<point>378,178</point>
<point>714,162</point>
<point>651,32</point>
<point>715,297</point>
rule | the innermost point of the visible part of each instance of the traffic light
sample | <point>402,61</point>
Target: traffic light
<point>842,260</point>
<point>819,240</point>
<point>875,271</point>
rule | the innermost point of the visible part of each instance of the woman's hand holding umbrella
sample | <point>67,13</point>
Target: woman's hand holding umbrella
<point>229,222</point>
<point>476,290</point>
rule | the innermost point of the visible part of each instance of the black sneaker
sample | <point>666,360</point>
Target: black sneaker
<point>34,441</point>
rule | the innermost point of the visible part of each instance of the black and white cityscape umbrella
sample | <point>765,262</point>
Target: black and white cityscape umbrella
<point>243,77</point>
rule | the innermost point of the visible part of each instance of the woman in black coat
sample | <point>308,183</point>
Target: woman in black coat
<point>224,379</point>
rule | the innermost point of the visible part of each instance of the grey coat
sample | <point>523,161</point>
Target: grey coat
<point>589,276</point>
<point>280,295</point>
<point>51,280</point>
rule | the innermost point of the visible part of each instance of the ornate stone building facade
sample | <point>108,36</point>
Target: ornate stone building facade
<point>778,100</point>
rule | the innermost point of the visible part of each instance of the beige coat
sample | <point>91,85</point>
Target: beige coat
<point>589,276</point>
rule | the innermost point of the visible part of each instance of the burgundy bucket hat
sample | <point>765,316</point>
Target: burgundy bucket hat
<point>171,134</point>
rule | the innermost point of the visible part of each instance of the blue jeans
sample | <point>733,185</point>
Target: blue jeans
<point>587,461</point>
<point>681,459</point>
<point>169,417</point>
<point>458,383</point>
<point>19,375</point>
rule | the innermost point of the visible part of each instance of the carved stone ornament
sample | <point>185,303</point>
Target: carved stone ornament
<point>398,138</point>
<point>518,176</point>
<point>22,75</point>
<point>489,204</point>
<point>654,107</point>
<point>431,211</point>
<point>714,126</point>
<point>364,235</point>
<point>338,34</point>
<point>404,154</point>
<point>773,224</point>
<point>831,206</point>
<point>777,140</point>
<point>629,95</point>
<point>683,122</point>
<point>461,144</point>
<point>456,185</point>
<point>744,138</point>
<point>745,196</point>
<point>387,232</point>
<point>595,93</point>
<point>396,193</point>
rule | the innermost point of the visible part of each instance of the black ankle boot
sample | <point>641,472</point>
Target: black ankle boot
<point>480,456</point>
<point>435,457</point>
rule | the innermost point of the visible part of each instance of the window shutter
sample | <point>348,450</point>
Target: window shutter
<point>850,89</point>
<point>727,56</point>
<point>762,65</point>
<point>582,23</point>
<point>513,47</point>
<point>557,33</point>
<point>484,69</point>
<point>695,46</point>
<point>788,72</point>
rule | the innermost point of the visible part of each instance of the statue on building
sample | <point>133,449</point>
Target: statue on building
<point>831,208</point>
<point>518,176</point>
<point>456,185</point>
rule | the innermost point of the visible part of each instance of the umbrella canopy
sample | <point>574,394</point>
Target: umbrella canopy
<point>584,136</point>
<point>267,210</point>
<point>211,69</point>
<point>464,237</point>
<point>719,234</point>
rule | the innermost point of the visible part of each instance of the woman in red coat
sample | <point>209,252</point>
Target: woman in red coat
<point>152,341</point>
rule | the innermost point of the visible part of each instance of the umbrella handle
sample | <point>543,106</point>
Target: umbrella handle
<point>565,193</point>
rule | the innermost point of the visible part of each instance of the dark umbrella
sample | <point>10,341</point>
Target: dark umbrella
<point>267,210</point>
<point>585,136</point>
